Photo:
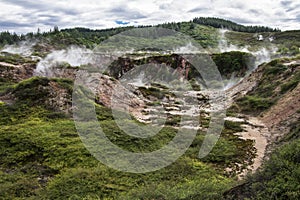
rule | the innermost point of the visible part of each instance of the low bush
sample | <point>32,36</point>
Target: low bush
<point>254,104</point>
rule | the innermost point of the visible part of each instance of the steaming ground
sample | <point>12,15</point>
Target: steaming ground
<point>264,54</point>
<point>23,48</point>
<point>77,56</point>
<point>73,56</point>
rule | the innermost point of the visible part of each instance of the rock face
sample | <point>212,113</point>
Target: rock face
<point>69,73</point>
<point>16,73</point>
<point>59,97</point>
<point>229,63</point>
<point>110,92</point>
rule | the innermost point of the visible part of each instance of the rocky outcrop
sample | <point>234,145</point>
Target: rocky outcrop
<point>54,94</point>
<point>16,73</point>
<point>59,97</point>
<point>110,92</point>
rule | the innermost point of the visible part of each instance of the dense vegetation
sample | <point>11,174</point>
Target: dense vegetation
<point>8,38</point>
<point>234,62</point>
<point>229,64</point>
<point>202,30</point>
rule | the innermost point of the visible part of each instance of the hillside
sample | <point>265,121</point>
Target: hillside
<point>274,100</point>
<point>44,156</point>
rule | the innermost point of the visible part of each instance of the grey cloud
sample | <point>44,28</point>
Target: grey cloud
<point>24,4</point>
<point>126,13</point>
<point>297,18</point>
<point>286,3</point>
<point>287,20</point>
<point>90,24</point>
<point>10,24</point>
<point>164,6</point>
<point>50,21</point>
<point>47,19</point>
<point>279,13</point>
<point>254,11</point>
<point>38,6</point>
<point>198,9</point>
<point>290,9</point>
<point>46,14</point>
<point>293,19</point>
<point>237,5</point>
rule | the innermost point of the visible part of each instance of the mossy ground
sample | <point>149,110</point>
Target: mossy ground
<point>42,157</point>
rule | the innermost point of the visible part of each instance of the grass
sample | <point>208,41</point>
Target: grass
<point>283,40</point>
<point>254,104</point>
<point>4,86</point>
<point>291,84</point>
<point>42,157</point>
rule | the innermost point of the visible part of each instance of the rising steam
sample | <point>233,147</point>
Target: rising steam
<point>77,56</point>
<point>23,48</point>
<point>74,56</point>
<point>264,54</point>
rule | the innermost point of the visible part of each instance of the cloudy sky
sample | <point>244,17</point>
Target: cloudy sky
<point>23,16</point>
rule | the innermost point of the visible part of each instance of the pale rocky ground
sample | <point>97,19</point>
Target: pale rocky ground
<point>255,130</point>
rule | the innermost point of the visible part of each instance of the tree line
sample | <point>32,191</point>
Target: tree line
<point>88,37</point>
<point>226,24</point>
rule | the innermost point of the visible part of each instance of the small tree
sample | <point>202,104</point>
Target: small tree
<point>56,29</point>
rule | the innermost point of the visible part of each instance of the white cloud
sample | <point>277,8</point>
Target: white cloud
<point>23,16</point>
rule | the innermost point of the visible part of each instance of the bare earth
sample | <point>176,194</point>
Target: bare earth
<point>258,132</point>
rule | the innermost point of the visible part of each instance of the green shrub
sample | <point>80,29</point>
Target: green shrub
<point>291,84</point>
<point>233,126</point>
<point>254,104</point>
<point>36,90</point>
<point>153,91</point>
<point>82,183</point>
<point>17,185</point>
<point>233,62</point>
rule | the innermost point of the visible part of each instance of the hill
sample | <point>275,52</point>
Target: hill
<point>199,28</point>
